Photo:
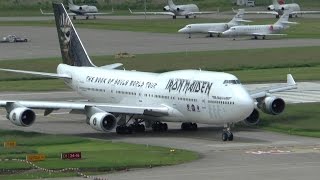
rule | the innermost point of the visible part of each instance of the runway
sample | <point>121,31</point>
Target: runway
<point>254,154</point>
<point>44,43</point>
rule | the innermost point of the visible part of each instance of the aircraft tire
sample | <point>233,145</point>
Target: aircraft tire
<point>224,136</point>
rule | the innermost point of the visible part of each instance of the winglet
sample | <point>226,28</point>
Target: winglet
<point>290,80</point>
<point>130,10</point>
<point>41,11</point>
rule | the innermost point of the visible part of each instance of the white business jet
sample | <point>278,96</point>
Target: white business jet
<point>83,10</point>
<point>173,10</point>
<point>118,97</point>
<point>260,30</point>
<point>278,9</point>
<point>214,28</point>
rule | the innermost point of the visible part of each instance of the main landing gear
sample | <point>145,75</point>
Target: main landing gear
<point>159,127</point>
<point>136,127</point>
<point>189,126</point>
<point>227,134</point>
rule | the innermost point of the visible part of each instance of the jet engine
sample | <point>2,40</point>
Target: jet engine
<point>272,105</point>
<point>178,9</point>
<point>22,116</point>
<point>80,8</point>
<point>103,121</point>
<point>166,8</point>
<point>253,119</point>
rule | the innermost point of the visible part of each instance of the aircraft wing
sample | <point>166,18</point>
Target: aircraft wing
<point>305,12</point>
<point>52,75</point>
<point>261,12</point>
<point>49,106</point>
<point>260,93</point>
<point>152,13</point>
<point>243,21</point>
<point>47,13</point>
<point>96,14</point>
<point>265,34</point>
<point>215,32</point>
<point>203,12</point>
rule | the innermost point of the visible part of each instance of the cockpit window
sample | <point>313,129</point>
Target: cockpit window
<point>188,26</point>
<point>233,29</point>
<point>231,82</point>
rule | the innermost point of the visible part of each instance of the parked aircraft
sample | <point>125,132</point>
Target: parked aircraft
<point>117,97</point>
<point>260,30</point>
<point>173,10</point>
<point>214,28</point>
<point>278,9</point>
<point>83,10</point>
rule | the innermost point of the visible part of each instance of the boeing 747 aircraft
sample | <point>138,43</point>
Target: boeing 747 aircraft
<point>83,10</point>
<point>177,10</point>
<point>119,97</point>
<point>279,9</point>
<point>260,30</point>
<point>214,28</point>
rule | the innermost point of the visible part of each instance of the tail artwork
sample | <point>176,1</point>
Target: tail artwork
<point>72,50</point>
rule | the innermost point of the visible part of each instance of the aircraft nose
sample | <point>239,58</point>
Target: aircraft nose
<point>182,30</point>
<point>226,33</point>
<point>245,104</point>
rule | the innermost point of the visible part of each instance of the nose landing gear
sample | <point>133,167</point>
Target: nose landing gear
<point>227,135</point>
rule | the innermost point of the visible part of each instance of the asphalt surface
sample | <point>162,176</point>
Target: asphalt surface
<point>254,154</point>
<point>44,42</point>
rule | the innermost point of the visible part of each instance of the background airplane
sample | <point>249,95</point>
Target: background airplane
<point>261,30</point>
<point>83,10</point>
<point>214,28</point>
<point>117,97</point>
<point>278,9</point>
<point>173,10</point>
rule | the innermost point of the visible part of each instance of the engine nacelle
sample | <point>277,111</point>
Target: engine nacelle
<point>166,8</point>
<point>22,116</point>
<point>253,119</point>
<point>272,105</point>
<point>80,8</point>
<point>178,9</point>
<point>282,8</point>
<point>103,121</point>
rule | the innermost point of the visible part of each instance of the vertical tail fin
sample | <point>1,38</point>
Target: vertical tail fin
<point>72,51</point>
<point>70,2</point>
<point>283,18</point>
<point>275,4</point>
<point>171,4</point>
<point>238,16</point>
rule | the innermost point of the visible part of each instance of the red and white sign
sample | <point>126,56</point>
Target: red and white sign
<point>71,155</point>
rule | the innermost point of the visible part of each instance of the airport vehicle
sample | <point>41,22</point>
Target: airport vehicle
<point>214,28</point>
<point>13,38</point>
<point>117,97</point>
<point>173,10</point>
<point>83,10</point>
<point>260,30</point>
<point>279,9</point>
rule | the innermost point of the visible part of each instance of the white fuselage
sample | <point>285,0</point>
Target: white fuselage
<point>249,30</point>
<point>284,7</point>
<point>81,10</point>
<point>205,28</point>
<point>192,95</point>
<point>182,10</point>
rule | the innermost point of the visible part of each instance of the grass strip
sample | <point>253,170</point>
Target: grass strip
<point>97,155</point>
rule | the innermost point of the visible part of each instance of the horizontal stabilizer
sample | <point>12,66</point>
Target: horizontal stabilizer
<point>288,22</point>
<point>45,13</point>
<point>261,34</point>
<point>52,75</point>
